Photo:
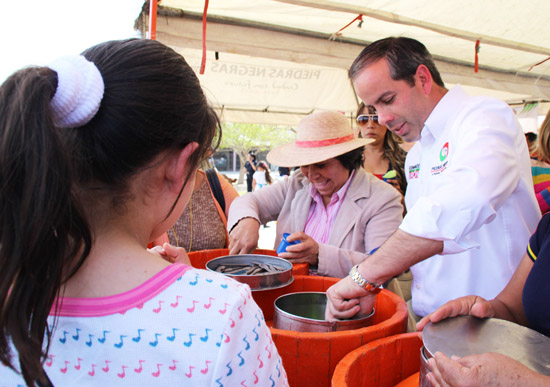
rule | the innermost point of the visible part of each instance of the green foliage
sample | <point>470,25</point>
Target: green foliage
<point>243,138</point>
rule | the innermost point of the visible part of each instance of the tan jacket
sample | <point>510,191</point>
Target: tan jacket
<point>370,213</point>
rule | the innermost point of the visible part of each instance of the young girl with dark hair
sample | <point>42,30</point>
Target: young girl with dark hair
<point>98,155</point>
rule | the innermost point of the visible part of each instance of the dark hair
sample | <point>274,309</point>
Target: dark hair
<point>253,155</point>
<point>268,178</point>
<point>392,150</point>
<point>153,103</point>
<point>353,159</point>
<point>404,55</point>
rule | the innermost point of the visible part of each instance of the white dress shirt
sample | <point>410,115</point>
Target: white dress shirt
<point>470,186</point>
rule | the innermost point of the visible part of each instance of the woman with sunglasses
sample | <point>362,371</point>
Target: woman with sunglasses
<point>384,154</point>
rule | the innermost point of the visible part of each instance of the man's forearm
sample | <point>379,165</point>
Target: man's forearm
<point>400,251</point>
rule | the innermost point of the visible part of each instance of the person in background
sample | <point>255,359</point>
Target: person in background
<point>380,157</point>
<point>99,153</point>
<point>284,171</point>
<point>335,209</point>
<point>384,154</point>
<point>261,177</point>
<point>523,301</point>
<point>470,201</point>
<point>250,166</point>
<point>531,139</point>
<point>203,223</point>
<point>540,166</point>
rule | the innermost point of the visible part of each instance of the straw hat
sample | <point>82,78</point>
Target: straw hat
<point>320,136</point>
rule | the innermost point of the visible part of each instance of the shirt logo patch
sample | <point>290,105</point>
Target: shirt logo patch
<point>436,170</point>
<point>444,152</point>
<point>413,171</point>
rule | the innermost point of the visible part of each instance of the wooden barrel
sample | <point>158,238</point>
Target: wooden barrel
<point>310,358</point>
<point>386,362</point>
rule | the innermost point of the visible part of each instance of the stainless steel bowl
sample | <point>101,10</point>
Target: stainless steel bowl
<point>257,282</point>
<point>305,312</point>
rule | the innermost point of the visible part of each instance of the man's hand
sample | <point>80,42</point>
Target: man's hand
<point>244,237</point>
<point>346,299</point>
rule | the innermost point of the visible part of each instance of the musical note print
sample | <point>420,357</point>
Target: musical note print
<point>64,338</point>
<point>205,370</point>
<point>138,337</point>
<point>49,362</point>
<point>196,281</point>
<point>188,343</point>
<point>175,304</point>
<point>92,372</point>
<point>242,359</point>
<point>119,345</point>
<point>77,335</point>
<point>123,373</point>
<point>224,310</point>
<point>209,304</point>
<point>89,342</point>
<point>102,340</point>
<point>173,337</point>
<point>64,369</point>
<point>192,309</point>
<point>138,370</point>
<point>106,368</point>
<point>230,370</point>
<point>260,361</point>
<point>157,373</point>
<point>157,310</point>
<point>190,372</point>
<point>77,366</point>
<point>154,343</point>
<point>205,338</point>
<point>173,366</point>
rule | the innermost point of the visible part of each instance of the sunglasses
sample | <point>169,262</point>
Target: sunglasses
<point>363,119</point>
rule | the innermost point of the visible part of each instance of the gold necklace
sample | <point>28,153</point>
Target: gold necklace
<point>191,225</point>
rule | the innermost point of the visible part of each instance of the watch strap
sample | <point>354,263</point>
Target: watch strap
<point>361,281</point>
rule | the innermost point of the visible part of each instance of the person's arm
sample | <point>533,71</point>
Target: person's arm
<point>397,254</point>
<point>507,305</point>
<point>254,208</point>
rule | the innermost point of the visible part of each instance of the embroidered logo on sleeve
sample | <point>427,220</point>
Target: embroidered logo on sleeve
<point>443,154</point>
<point>413,171</point>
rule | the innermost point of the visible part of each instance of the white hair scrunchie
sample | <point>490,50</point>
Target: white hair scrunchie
<point>79,91</point>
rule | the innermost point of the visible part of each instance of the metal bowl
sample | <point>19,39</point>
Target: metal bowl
<point>467,335</point>
<point>305,312</point>
<point>257,282</point>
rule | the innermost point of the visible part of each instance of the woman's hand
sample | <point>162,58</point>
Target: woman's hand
<point>463,306</point>
<point>306,251</point>
<point>487,369</point>
<point>346,299</point>
<point>172,253</point>
<point>244,237</point>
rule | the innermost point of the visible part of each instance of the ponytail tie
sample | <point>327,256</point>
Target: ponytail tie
<point>79,91</point>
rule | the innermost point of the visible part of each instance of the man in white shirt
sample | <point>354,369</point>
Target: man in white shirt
<point>470,199</point>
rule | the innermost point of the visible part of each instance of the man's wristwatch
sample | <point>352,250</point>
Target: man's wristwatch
<point>361,281</point>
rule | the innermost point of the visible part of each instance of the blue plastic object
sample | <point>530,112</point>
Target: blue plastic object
<point>284,243</point>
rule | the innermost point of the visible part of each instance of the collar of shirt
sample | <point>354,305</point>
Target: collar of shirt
<point>337,196</point>
<point>439,117</point>
<point>320,219</point>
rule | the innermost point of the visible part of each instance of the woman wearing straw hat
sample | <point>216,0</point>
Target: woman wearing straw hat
<point>335,209</point>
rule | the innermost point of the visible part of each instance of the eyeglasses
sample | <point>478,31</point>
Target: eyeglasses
<point>363,119</point>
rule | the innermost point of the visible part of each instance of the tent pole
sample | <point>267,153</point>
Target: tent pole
<point>153,19</point>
